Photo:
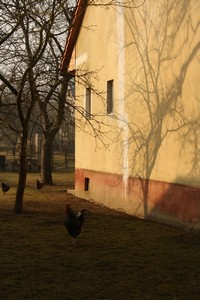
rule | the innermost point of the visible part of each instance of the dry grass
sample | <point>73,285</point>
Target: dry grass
<point>117,257</point>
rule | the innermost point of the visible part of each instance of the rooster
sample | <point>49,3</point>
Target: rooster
<point>5,187</point>
<point>38,185</point>
<point>74,222</point>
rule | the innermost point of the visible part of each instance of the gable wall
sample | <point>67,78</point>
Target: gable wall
<point>152,55</point>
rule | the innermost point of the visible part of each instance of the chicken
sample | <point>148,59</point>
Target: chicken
<point>74,222</point>
<point>5,187</point>
<point>38,185</point>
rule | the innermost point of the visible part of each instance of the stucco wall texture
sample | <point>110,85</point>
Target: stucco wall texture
<point>144,157</point>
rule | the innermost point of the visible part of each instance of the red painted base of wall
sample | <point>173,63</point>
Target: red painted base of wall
<point>169,203</point>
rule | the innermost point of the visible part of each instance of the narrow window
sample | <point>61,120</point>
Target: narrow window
<point>109,96</point>
<point>88,102</point>
<point>87,181</point>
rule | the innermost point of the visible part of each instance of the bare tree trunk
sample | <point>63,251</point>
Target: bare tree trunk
<point>18,207</point>
<point>46,159</point>
<point>51,129</point>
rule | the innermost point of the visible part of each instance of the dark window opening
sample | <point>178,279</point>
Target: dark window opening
<point>88,102</point>
<point>109,96</point>
<point>87,181</point>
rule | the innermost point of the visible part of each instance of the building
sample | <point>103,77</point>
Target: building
<point>138,105</point>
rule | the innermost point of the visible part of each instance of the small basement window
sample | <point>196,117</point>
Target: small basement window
<point>87,181</point>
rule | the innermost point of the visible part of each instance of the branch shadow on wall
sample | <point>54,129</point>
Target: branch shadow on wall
<point>166,47</point>
<point>176,204</point>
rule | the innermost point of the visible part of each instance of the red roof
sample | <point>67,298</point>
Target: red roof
<point>73,35</point>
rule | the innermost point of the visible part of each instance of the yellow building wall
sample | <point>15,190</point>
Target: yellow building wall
<point>152,54</point>
<point>97,52</point>
<point>162,86</point>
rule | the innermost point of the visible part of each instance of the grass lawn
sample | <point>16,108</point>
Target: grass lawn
<point>117,256</point>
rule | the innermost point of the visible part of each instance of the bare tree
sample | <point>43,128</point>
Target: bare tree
<point>26,32</point>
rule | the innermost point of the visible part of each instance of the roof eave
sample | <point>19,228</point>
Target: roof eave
<point>73,35</point>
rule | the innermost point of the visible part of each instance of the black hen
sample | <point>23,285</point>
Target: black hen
<point>5,187</point>
<point>38,185</point>
<point>73,222</point>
